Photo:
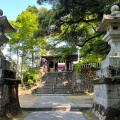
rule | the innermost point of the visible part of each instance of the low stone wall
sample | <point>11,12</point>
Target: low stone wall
<point>9,102</point>
<point>106,101</point>
<point>84,81</point>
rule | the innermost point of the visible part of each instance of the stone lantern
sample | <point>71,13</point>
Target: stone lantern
<point>107,90</point>
<point>9,102</point>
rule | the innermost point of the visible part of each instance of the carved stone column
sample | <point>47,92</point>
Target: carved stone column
<point>107,90</point>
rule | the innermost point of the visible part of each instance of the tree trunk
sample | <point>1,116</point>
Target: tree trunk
<point>33,57</point>
<point>17,74</point>
<point>21,73</point>
<point>40,61</point>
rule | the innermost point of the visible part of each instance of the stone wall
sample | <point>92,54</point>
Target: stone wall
<point>84,81</point>
<point>106,101</point>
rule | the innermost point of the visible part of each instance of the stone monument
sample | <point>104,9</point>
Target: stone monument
<point>107,90</point>
<point>9,102</point>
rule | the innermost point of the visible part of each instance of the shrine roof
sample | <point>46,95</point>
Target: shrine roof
<point>73,57</point>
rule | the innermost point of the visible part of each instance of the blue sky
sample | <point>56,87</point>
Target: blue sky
<point>12,8</point>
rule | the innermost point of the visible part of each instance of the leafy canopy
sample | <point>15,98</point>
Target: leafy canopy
<point>75,22</point>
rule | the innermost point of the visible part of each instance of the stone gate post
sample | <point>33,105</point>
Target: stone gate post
<point>107,90</point>
<point>9,102</point>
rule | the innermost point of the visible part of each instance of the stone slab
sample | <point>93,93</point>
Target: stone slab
<point>53,101</point>
<point>55,115</point>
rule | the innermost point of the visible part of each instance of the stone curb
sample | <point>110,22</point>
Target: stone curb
<point>56,108</point>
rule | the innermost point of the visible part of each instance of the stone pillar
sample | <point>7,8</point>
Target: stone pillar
<point>65,65</point>
<point>54,66</point>
<point>68,66</point>
<point>107,89</point>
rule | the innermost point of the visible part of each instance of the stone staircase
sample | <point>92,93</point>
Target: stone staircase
<point>55,83</point>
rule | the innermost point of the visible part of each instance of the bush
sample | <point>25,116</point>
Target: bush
<point>31,77</point>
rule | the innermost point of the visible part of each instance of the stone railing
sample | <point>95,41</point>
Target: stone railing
<point>91,65</point>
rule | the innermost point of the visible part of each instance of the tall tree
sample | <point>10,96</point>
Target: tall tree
<point>75,22</point>
<point>27,27</point>
<point>32,9</point>
<point>23,40</point>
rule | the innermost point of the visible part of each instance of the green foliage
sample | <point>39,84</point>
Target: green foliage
<point>32,76</point>
<point>44,19</point>
<point>45,1</point>
<point>24,40</point>
<point>24,44</point>
<point>93,52</point>
<point>32,9</point>
<point>26,26</point>
<point>65,51</point>
<point>76,22</point>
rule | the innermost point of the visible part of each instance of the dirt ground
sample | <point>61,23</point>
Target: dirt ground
<point>28,100</point>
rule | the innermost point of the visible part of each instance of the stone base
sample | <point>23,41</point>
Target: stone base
<point>10,110</point>
<point>105,113</point>
<point>9,101</point>
<point>106,104</point>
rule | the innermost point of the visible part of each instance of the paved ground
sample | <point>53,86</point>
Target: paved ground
<point>82,100</point>
<point>55,101</point>
<point>55,115</point>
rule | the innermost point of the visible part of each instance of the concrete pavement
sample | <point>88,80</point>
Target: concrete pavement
<point>55,115</point>
<point>81,101</point>
<point>59,108</point>
<point>53,101</point>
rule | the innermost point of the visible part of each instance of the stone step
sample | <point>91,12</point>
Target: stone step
<point>53,90</point>
<point>52,86</point>
<point>55,82</point>
<point>63,90</point>
<point>44,92</point>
